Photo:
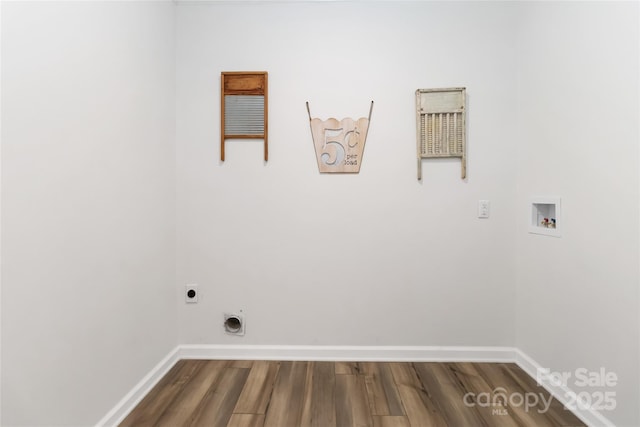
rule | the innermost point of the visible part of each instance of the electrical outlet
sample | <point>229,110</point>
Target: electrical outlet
<point>483,209</point>
<point>191,293</point>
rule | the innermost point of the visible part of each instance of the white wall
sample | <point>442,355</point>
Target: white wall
<point>88,196</point>
<point>371,259</point>
<point>90,92</point>
<point>578,109</point>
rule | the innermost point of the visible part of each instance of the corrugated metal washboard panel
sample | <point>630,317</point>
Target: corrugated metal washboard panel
<point>441,125</point>
<point>244,115</point>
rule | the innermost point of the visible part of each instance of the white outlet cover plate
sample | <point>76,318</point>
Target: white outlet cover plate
<point>483,208</point>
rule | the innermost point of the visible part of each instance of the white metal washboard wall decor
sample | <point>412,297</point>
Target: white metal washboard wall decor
<point>339,144</point>
<point>441,125</point>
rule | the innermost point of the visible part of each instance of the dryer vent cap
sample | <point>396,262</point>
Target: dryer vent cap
<point>234,324</point>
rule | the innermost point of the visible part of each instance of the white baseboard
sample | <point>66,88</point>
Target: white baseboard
<point>116,415</point>
<point>342,353</point>
<point>348,353</point>
<point>561,392</point>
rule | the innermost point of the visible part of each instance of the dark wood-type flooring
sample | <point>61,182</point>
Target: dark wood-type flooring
<point>216,393</point>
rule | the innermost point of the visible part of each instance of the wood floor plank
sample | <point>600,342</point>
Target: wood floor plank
<point>404,374</point>
<point>556,411</point>
<point>496,376</point>
<point>419,407</point>
<point>216,408</point>
<point>183,407</point>
<point>246,364</point>
<point>505,384</point>
<point>417,412</point>
<point>444,388</point>
<point>320,391</point>
<point>475,384</point>
<point>307,399</point>
<point>151,408</point>
<point>246,420</point>
<point>347,368</point>
<point>256,393</point>
<point>352,405</point>
<point>390,421</point>
<point>381,388</point>
<point>285,408</point>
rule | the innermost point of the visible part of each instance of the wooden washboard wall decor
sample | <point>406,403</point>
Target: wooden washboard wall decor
<point>243,107</point>
<point>441,125</point>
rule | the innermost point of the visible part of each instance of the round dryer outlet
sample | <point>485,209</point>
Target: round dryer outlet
<point>234,324</point>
